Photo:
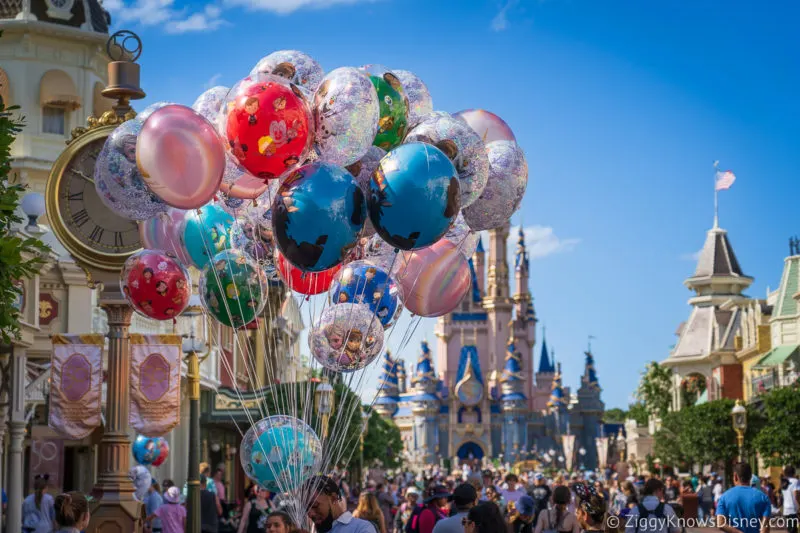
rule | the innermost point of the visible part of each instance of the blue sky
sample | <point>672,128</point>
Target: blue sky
<point>621,107</point>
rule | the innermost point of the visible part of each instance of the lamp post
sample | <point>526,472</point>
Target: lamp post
<point>194,347</point>
<point>323,398</point>
<point>739,419</point>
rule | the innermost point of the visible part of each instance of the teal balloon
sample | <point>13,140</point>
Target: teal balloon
<point>206,232</point>
<point>414,196</point>
<point>146,449</point>
<point>280,453</point>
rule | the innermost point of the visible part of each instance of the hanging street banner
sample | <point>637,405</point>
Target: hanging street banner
<point>155,383</point>
<point>568,441</point>
<point>76,384</point>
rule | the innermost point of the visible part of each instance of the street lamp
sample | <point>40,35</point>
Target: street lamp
<point>323,398</point>
<point>195,348</point>
<point>739,418</point>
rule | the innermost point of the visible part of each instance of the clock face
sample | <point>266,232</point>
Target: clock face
<point>85,216</point>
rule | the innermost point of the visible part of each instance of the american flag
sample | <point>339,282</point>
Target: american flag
<point>725,179</point>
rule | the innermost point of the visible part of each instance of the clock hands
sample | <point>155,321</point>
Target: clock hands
<point>82,175</point>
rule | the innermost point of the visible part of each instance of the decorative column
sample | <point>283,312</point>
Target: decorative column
<point>4,377</point>
<point>116,509</point>
<point>192,477</point>
<point>17,438</point>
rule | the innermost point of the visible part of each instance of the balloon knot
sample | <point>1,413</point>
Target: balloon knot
<point>308,297</point>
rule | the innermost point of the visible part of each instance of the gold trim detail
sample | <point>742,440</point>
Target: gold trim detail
<point>109,118</point>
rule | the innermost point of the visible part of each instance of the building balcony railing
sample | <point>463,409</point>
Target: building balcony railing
<point>772,380</point>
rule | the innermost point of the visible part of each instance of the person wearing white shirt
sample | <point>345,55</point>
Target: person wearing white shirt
<point>790,490</point>
<point>652,516</point>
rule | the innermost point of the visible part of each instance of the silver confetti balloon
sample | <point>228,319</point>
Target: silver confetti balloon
<point>462,145</point>
<point>420,102</point>
<point>297,67</point>
<point>363,169</point>
<point>460,234</point>
<point>508,179</point>
<point>210,103</point>
<point>117,178</point>
<point>346,116</point>
<point>347,338</point>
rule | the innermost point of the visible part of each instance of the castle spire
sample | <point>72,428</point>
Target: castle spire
<point>545,366</point>
<point>424,373</point>
<point>388,392</point>
<point>512,376</point>
<point>557,394</point>
<point>589,373</point>
<point>521,257</point>
<point>522,296</point>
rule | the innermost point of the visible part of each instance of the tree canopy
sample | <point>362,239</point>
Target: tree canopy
<point>777,442</point>
<point>655,389</point>
<point>382,442</point>
<point>20,257</point>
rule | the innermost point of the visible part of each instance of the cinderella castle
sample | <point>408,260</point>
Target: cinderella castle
<point>481,398</point>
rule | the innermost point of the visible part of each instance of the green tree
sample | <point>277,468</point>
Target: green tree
<point>615,415</point>
<point>20,257</point>
<point>655,389</point>
<point>382,442</point>
<point>776,443</point>
<point>637,411</point>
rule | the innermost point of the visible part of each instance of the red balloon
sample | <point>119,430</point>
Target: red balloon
<point>155,284</point>
<point>269,128</point>
<point>309,283</point>
<point>163,453</point>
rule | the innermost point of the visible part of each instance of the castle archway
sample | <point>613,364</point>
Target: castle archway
<point>470,451</point>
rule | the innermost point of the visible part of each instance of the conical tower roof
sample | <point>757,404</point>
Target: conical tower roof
<point>545,366</point>
<point>717,264</point>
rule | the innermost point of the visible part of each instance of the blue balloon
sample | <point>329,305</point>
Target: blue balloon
<point>317,215</point>
<point>207,233</point>
<point>146,449</point>
<point>414,196</point>
<point>361,282</point>
<point>280,452</point>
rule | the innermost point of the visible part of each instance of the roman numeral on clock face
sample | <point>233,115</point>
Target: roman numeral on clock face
<point>118,238</point>
<point>80,218</point>
<point>96,234</point>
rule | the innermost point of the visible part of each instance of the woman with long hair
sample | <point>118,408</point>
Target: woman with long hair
<point>280,522</point>
<point>38,511</point>
<point>71,512</point>
<point>255,512</point>
<point>484,518</point>
<point>368,509</point>
<point>558,518</point>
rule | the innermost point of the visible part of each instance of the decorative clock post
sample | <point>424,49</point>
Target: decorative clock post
<point>87,229</point>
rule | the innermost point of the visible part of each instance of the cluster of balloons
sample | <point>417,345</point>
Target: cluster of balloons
<point>346,181</point>
<point>150,451</point>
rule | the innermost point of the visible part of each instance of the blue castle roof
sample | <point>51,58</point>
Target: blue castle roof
<point>469,353</point>
<point>557,394</point>
<point>388,377</point>
<point>480,249</point>
<point>544,362</point>
<point>424,370</point>
<point>589,373</point>
<point>476,291</point>
<point>512,377</point>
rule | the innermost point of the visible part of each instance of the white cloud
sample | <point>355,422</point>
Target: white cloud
<point>163,13</point>
<point>284,7</point>
<point>540,241</point>
<point>212,81</point>
<point>500,21</point>
<point>694,256</point>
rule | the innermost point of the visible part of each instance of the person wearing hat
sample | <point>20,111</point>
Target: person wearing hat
<point>425,518</point>
<point>328,509</point>
<point>172,514</point>
<point>521,519</point>
<point>541,495</point>
<point>406,509</point>
<point>464,498</point>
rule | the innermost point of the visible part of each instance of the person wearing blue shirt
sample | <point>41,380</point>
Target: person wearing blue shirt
<point>743,508</point>
<point>153,501</point>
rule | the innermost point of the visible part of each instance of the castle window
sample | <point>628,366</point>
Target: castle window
<point>54,120</point>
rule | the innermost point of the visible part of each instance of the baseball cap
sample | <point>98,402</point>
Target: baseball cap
<point>464,494</point>
<point>525,506</point>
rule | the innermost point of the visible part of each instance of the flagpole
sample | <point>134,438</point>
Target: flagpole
<point>716,196</point>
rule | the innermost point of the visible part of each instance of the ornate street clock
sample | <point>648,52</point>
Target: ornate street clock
<point>91,232</point>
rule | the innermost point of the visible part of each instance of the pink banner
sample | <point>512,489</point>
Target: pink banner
<point>155,383</point>
<point>76,381</point>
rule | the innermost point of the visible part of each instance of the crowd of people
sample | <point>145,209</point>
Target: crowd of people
<point>487,501</point>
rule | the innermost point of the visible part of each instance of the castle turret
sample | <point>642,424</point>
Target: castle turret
<point>425,407</point>
<point>479,261</point>
<point>522,296</point>
<point>497,302</point>
<point>589,378</point>
<point>545,366</point>
<point>557,399</point>
<point>401,376</point>
<point>514,402</point>
<point>590,409</point>
<point>388,389</point>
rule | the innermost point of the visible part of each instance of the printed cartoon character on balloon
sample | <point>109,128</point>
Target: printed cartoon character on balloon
<point>349,348</point>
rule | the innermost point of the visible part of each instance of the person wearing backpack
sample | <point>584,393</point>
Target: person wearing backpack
<point>424,518</point>
<point>558,519</point>
<point>652,515</point>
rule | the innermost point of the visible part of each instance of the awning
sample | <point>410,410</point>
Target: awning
<point>777,356</point>
<point>58,89</point>
<point>100,104</point>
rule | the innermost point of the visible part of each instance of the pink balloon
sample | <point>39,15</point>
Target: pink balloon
<point>434,280</point>
<point>180,156</point>
<point>163,231</point>
<point>489,126</point>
